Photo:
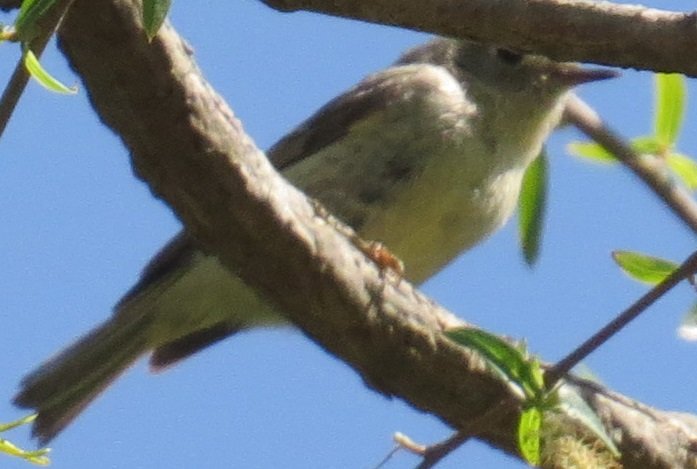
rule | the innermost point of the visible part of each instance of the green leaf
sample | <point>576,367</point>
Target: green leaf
<point>572,404</point>
<point>685,168</point>
<point>154,14</point>
<point>671,95</point>
<point>591,151</point>
<point>529,428</point>
<point>23,421</point>
<point>37,457</point>
<point>647,145</point>
<point>522,375</point>
<point>29,14</point>
<point>43,77</point>
<point>644,268</point>
<point>536,375</point>
<point>531,208</point>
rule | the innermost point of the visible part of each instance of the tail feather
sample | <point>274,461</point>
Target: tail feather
<point>63,386</point>
<point>173,352</point>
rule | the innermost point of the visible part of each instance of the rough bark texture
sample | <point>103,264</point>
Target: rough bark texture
<point>629,36</point>
<point>186,143</point>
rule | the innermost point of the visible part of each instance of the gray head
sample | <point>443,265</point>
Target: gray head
<point>491,69</point>
<point>519,98</point>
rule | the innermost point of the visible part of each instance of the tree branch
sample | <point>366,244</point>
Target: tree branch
<point>628,36</point>
<point>564,366</point>
<point>676,197</point>
<point>20,77</point>
<point>7,5</point>
<point>186,143</point>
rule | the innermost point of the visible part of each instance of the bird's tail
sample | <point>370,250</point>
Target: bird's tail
<point>63,386</point>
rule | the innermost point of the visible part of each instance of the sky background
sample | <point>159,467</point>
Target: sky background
<point>76,228</point>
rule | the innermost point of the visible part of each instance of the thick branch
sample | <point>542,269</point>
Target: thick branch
<point>572,30</point>
<point>630,36</point>
<point>188,146</point>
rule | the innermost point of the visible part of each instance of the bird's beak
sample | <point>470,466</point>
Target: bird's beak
<point>573,75</point>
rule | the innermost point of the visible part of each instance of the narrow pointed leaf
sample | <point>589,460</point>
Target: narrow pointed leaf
<point>37,457</point>
<point>531,208</point>
<point>644,268</point>
<point>591,151</point>
<point>648,145</point>
<point>29,14</point>
<point>43,77</point>
<point>503,358</point>
<point>529,428</point>
<point>154,14</point>
<point>671,96</point>
<point>537,377</point>
<point>685,168</point>
<point>573,405</point>
<point>17,423</point>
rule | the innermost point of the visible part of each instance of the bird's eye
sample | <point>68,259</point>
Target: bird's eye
<point>508,56</point>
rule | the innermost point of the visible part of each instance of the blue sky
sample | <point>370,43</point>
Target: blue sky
<point>77,227</point>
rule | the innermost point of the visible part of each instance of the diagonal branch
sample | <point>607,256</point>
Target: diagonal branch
<point>564,366</point>
<point>20,77</point>
<point>630,36</point>
<point>676,197</point>
<point>186,143</point>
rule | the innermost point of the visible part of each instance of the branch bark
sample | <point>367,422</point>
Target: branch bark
<point>628,36</point>
<point>186,143</point>
<point>46,27</point>
<point>651,173</point>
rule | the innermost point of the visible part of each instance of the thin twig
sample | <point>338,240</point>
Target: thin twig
<point>20,77</point>
<point>673,195</point>
<point>433,454</point>
<point>580,114</point>
<point>688,268</point>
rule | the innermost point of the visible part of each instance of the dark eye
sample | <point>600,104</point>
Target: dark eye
<point>509,57</point>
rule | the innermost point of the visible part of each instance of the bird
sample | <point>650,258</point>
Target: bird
<point>425,156</point>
